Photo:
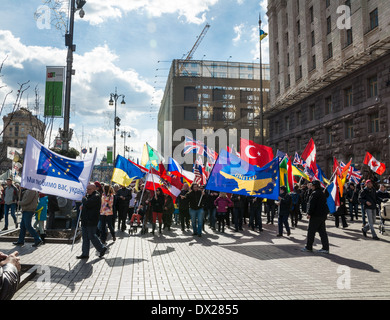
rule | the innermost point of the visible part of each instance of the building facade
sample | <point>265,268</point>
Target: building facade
<point>16,127</point>
<point>330,78</point>
<point>212,101</point>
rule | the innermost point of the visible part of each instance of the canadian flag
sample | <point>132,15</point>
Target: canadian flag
<point>374,164</point>
<point>309,155</point>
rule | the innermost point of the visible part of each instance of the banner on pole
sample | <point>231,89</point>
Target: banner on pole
<point>55,78</point>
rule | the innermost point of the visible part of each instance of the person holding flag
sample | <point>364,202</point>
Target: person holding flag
<point>157,203</point>
<point>196,200</point>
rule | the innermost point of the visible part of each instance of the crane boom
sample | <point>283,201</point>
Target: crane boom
<point>196,45</point>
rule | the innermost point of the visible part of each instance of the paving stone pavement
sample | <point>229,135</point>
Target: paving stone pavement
<point>244,265</point>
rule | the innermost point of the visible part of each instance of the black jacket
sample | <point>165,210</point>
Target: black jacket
<point>158,204</point>
<point>317,204</point>
<point>123,203</point>
<point>368,195</point>
<point>91,210</point>
<point>285,204</point>
<point>194,198</point>
<point>352,196</point>
<point>9,281</point>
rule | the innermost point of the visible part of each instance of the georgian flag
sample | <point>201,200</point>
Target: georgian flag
<point>374,164</point>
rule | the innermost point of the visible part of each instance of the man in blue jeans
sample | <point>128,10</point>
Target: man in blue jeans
<point>10,199</point>
<point>28,203</point>
<point>196,201</point>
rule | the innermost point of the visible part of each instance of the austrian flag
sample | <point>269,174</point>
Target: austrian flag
<point>374,164</point>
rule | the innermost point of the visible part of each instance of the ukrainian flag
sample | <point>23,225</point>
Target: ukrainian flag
<point>125,172</point>
<point>263,34</point>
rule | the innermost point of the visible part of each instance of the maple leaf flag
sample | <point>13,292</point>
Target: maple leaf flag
<point>374,164</point>
<point>309,155</point>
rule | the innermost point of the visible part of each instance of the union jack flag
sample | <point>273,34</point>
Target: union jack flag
<point>354,175</point>
<point>196,146</point>
<point>298,160</point>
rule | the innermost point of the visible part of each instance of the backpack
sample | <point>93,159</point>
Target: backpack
<point>385,210</point>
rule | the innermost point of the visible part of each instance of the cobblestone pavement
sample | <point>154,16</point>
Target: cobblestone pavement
<point>231,266</point>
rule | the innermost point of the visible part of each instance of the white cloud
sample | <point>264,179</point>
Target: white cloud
<point>238,29</point>
<point>194,11</point>
<point>97,75</point>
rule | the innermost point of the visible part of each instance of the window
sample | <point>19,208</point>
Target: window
<point>277,127</point>
<point>218,94</point>
<point>328,105</point>
<point>287,43</point>
<point>330,50</point>
<point>277,48</point>
<point>299,49</point>
<point>328,25</point>
<point>312,112</point>
<point>349,37</point>
<point>288,82</point>
<point>298,115</point>
<point>278,67</point>
<point>349,134</point>
<point>374,122</point>
<point>190,113</point>
<point>190,94</point>
<point>218,114</point>
<point>329,136</point>
<point>312,39</point>
<point>311,12</point>
<point>372,87</point>
<point>348,97</point>
<point>314,65</point>
<point>288,59</point>
<point>298,27</point>
<point>287,123</point>
<point>247,113</point>
<point>327,3</point>
<point>374,19</point>
<point>299,72</point>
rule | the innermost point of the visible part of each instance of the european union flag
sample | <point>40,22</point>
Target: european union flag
<point>53,165</point>
<point>233,175</point>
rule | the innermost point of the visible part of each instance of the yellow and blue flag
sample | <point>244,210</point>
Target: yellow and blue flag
<point>263,34</point>
<point>126,171</point>
<point>231,174</point>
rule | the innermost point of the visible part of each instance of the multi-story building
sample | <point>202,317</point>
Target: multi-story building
<point>330,78</point>
<point>216,102</point>
<point>17,126</point>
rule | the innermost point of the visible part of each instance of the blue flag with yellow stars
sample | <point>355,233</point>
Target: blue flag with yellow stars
<point>231,174</point>
<point>53,165</point>
<point>53,174</point>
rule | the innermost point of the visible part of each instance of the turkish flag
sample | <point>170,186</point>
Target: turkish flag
<point>374,164</point>
<point>254,153</point>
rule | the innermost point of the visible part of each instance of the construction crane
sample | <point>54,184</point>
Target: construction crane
<point>196,45</point>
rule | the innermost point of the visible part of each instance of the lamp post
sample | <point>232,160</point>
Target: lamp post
<point>66,133</point>
<point>113,100</point>
<point>125,133</point>
<point>261,91</point>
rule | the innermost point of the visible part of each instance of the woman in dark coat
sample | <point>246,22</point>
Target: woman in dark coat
<point>157,209</point>
<point>168,211</point>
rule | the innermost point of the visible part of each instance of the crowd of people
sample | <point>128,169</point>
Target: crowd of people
<point>105,205</point>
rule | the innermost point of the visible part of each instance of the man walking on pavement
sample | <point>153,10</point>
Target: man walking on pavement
<point>90,213</point>
<point>369,200</point>
<point>317,214</point>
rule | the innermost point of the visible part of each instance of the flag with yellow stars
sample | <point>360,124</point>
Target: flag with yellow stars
<point>231,174</point>
<point>54,174</point>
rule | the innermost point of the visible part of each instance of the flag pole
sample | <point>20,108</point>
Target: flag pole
<point>261,88</point>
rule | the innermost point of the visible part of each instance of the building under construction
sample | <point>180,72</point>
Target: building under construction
<point>217,102</point>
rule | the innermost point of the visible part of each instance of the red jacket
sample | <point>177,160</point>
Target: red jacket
<point>222,204</point>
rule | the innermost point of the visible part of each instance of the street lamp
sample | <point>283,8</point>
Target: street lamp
<point>125,133</point>
<point>66,133</point>
<point>113,101</point>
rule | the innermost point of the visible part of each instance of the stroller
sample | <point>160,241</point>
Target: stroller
<point>384,215</point>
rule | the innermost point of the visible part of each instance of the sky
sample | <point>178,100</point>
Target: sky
<point>123,44</point>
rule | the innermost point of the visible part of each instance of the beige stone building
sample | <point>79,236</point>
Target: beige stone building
<point>330,78</point>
